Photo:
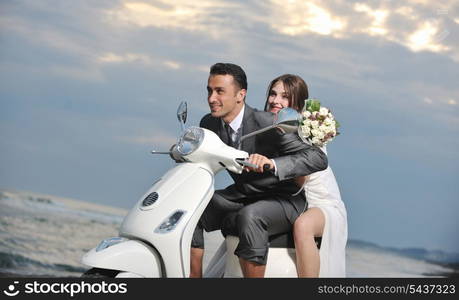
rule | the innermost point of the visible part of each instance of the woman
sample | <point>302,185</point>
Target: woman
<point>326,215</point>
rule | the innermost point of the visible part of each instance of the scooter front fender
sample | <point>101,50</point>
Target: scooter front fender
<point>129,256</point>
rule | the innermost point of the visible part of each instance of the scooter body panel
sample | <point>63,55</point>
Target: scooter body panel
<point>129,256</point>
<point>184,190</point>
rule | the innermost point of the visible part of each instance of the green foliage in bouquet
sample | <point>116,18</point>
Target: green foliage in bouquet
<point>312,105</point>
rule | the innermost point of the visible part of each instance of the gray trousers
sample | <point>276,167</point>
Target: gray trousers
<point>253,220</point>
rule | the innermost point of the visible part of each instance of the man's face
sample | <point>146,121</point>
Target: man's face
<point>224,97</point>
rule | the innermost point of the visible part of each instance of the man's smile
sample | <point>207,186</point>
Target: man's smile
<point>215,107</point>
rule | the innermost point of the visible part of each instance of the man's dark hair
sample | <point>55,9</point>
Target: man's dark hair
<point>230,69</point>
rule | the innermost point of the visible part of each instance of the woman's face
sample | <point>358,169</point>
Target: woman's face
<point>278,97</point>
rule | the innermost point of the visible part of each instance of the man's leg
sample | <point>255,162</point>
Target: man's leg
<point>249,269</point>
<point>252,269</point>
<point>196,256</point>
<point>210,220</point>
<point>255,223</point>
<point>197,252</point>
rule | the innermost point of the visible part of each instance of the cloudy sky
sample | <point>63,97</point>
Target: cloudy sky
<point>88,88</point>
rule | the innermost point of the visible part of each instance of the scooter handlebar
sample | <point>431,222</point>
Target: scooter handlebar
<point>267,168</point>
<point>245,163</point>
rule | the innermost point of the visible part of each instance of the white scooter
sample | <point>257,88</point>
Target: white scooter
<point>155,237</point>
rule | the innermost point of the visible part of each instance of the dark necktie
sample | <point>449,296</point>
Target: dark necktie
<point>229,132</point>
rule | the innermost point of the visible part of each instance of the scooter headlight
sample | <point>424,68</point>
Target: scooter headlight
<point>171,222</point>
<point>190,140</point>
<point>109,242</point>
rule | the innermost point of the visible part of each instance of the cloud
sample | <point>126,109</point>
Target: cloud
<point>427,37</point>
<point>83,73</point>
<point>172,64</point>
<point>145,14</point>
<point>124,58</point>
<point>378,16</point>
<point>428,100</point>
<point>46,36</point>
<point>160,141</point>
<point>418,28</point>
<point>434,94</point>
<point>298,17</point>
<point>178,15</point>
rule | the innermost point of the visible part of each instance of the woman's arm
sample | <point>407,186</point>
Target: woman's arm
<point>300,181</point>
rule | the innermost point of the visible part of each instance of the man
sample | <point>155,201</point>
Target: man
<point>266,203</point>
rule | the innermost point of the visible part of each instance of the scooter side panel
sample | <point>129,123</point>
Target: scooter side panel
<point>187,187</point>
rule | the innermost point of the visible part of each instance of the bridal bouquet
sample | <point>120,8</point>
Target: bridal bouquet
<point>318,124</point>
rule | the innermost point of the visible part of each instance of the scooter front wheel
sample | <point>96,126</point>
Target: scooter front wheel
<point>100,273</point>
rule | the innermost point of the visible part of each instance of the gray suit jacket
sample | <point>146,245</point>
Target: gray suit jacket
<point>293,158</point>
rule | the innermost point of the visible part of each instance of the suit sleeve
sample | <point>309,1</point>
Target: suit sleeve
<point>298,158</point>
<point>295,158</point>
<point>204,122</point>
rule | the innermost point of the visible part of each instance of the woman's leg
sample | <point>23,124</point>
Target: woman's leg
<point>308,225</point>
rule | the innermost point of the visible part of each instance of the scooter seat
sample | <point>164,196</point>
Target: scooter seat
<point>281,240</point>
<point>285,240</point>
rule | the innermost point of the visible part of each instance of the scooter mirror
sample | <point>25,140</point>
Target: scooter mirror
<point>182,113</point>
<point>288,120</point>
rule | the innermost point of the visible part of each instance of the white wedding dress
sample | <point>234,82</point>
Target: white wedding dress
<point>322,191</point>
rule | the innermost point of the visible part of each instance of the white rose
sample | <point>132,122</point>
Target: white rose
<point>315,132</point>
<point>316,141</point>
<point>315,124</point>
<point>323,128</point>
<point>328,121</point>
<point>323,111</point>
<point>320,135</point>
<point>306,131</point>
<point>329,129</point>
<point>306,114</point>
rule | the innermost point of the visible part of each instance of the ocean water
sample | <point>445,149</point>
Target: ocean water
<point>44,235</point>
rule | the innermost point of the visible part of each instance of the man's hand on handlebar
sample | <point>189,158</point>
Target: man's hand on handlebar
<point>264,164</point>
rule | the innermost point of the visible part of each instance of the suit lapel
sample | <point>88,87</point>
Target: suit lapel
<point>248,125</point>
<point>216,125</point>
